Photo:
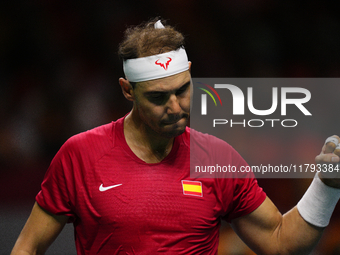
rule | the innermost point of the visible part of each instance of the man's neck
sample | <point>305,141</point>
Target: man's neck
<point>145,143</point>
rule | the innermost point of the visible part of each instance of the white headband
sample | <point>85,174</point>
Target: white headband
<point>156,66</point>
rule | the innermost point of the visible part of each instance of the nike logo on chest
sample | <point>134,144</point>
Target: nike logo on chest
<point>102,188</point>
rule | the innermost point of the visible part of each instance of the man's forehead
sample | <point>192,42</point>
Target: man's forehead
<point>167,83</point>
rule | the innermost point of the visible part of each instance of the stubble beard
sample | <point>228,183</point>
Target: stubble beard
<point>175,131</point>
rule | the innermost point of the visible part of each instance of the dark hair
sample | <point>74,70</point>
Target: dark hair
<point>144,40</point>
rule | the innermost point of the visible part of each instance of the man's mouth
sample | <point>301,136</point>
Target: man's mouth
<point>171,122</point>
<point>174,120</point>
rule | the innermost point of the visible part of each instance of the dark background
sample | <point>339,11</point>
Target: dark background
<point>59,75</point>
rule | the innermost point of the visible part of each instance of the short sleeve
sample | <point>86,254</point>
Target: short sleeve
<point>247,197</point>
<point>54,195</point>
<point>240,192</point>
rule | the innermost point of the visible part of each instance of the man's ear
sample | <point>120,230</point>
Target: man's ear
<point>126,89</point>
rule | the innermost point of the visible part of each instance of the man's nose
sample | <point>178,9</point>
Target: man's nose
<point>173,106</point>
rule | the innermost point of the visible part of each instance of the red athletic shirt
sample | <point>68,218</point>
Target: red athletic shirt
<point>121,205</point>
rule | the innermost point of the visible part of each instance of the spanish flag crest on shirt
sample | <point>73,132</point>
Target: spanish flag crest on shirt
<point>192,188</point>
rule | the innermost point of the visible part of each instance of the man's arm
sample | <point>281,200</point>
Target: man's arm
<point>266,231</point>
<point>40,230</point>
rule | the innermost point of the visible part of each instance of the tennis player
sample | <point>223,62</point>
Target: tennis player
<point>126,185</point>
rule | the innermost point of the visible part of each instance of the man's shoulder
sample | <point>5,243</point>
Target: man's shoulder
<point>96,140</point>
<point>94,135</point>
<point>208,148</point>
<point>199,138</point>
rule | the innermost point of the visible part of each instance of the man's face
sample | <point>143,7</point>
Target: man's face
<point>164,104</point>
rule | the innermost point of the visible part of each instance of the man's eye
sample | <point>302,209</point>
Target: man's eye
<point>157,98</point>
<point>182,90</point>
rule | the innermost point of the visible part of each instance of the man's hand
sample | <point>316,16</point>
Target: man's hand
<point>330,154</point>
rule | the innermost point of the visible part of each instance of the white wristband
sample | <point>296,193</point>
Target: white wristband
<point>332,140</point>
<point>318,203</point>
